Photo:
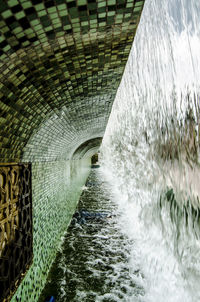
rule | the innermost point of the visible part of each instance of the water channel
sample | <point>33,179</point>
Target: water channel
<point>93,264</point>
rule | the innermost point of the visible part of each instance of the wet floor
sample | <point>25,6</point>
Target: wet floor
<point>94,262</point>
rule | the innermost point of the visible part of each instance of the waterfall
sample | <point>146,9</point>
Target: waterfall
<point>150,151</point>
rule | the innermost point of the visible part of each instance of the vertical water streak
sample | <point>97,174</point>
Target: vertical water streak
<point>151,146</point>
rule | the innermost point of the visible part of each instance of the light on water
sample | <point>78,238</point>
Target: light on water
<point>93,264</point>
<point>151,150</point>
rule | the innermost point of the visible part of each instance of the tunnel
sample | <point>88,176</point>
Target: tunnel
<point>61,63</point>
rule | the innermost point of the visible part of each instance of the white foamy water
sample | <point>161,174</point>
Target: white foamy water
<point>150,151</point>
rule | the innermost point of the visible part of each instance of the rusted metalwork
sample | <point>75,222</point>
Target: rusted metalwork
<point>16,248</point>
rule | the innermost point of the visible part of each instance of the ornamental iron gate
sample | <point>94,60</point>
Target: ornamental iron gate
<point>16,247</point>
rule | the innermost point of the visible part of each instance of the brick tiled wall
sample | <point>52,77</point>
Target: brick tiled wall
<point>60,59</point>
<point>55,195</point>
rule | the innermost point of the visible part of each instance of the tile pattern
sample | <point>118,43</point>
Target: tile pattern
<point>60,57</point>
<point>86,146</point>
<point>56,188</point>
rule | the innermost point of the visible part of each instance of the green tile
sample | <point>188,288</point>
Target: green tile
<point>53,16</point>
<point>29,31</point>
<point>57,25</point>
<point>93,21</point>
<point>5,49</point>
<point>2,38</point>
<point>140,3</point>
<point>137,9</point>
<point>111,2</point>
<point>20,35</point>
<point>12,3</point>
<point>111,13</point>
<point>5,29</point>
<point>42,13</point>
<point>63,13</point>
<point>102,15</point>
<point>66,27</point>
<point>17,30</point>
<point>34,22</point>
<point>7,13</point>
<point>84,23</point>
<point>75,20</point>
<point>49,28</point>
<point>20,15</point>
<point>51,10</point>
<point>38,27</point>
<point>102,4</point>
<point>102,24</point>
<point>81,2</point>
<point>39,7</point>
<point>26,4</point>
<point>62,7</point>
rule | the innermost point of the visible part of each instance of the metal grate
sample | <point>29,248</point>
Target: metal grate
<point>15,226</point>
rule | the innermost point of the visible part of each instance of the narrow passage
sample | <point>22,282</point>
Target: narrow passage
<point>93,265</point>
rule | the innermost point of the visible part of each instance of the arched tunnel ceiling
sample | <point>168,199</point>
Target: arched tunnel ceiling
<point>92,144</point>
<point>61,63</point>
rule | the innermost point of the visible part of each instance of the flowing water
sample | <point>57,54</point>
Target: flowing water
<point>93,264</point>
<point>150,152</point>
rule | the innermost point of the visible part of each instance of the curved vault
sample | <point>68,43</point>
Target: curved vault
<point>89,147</point>
<point>60,65</point>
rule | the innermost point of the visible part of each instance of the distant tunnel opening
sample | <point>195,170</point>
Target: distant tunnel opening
<point>94,159</point>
